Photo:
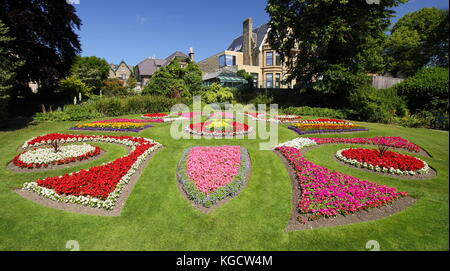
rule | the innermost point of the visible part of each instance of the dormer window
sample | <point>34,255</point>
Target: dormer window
<point>227,60</point>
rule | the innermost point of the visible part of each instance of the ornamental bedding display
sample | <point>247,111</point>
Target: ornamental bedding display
<point>99,186</point>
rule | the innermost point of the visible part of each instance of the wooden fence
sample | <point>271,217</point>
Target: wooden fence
<point>381,82</point>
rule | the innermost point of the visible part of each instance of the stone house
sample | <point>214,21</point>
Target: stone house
<point>252,53</point>
<point>121,71</point>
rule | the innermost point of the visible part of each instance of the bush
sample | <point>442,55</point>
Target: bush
<point>110,106</point>
<point>215,93</point>
<point>377,105</point>
<point>320,112</point>
<point>114,87</point>
<point>426,90</point>
<point>261,99</point>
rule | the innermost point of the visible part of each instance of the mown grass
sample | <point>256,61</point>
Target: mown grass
<point>157,216</point>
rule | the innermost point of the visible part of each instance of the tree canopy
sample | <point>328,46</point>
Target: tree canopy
<point>8,64</point>
<point>44,38</point>
<point>417,39</point>
<point>92,71</point>
<point>323,42</point>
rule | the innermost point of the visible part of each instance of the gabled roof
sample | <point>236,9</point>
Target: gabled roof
<point>258,35</point>
<point>148,66</point>
<point>114,67</point>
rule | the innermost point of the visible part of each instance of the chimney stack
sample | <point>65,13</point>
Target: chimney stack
<point>191,54</point>
<point>247,36</point>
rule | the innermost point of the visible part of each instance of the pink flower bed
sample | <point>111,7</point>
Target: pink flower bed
<point>213,167</point>
<point>326,193</point>
<point>390,141</point>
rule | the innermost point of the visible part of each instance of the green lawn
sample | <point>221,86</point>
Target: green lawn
<point>157,216</point>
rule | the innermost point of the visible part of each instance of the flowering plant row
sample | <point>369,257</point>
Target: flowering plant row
<point>154,116</point>
<point>325,193</point>
<point>218,128</point>
<point>325,127</point>
<point>389,141</point>
<point>43,157</point>
<point>122,120</point>
<point>276,118</point>
<point>113,125</point>
<point>209,174</point>
<point>162,117</point>
<point>99,186</point>
<point>389,162</point>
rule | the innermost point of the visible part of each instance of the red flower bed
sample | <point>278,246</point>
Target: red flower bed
<point>155,115</point>
<point>389,159</point>
<point>96,182</point>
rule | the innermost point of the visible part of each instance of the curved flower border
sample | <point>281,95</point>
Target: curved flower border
<point>112,198</point>
<point>70,159</point>
<point>300,132</point>
<point>229,190</point>
<point>391,170</point>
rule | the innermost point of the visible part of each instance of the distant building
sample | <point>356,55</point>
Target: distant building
<point>252,53</point>
<point>147,67</point>
<point>121,71</point>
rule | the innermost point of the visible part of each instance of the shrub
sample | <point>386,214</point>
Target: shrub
<point>113,87</point>
<point>72,87</point>
<point>261,99</point>
<point>215,93</point>
<point>377,105</point>
<point>320,112</point>
<point>426,90</point>
<point>110,106</point>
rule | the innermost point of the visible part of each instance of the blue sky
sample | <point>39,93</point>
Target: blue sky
<point>136,29</point>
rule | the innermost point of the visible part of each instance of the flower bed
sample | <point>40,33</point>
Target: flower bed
<point>389,141</point>
<point>43,157</point>
<point>276,118</point>
<point>155,116</point>
<point>389,162</point>
<point>114,125</point>
<point>99,186</point>
<point>218,128</point>
<point>325,193</point>
<point>325,127</point>
<point>222,115</point>
<point>209,174</point>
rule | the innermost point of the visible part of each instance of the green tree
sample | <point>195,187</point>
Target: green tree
<point>114,87</point>
<point>324,42</point>
<point>419,38</point>
<point>92,71</point>
<point>215,93</point>
<point>8,64</point>
<point>73,87</point>
<point>174,81</point>
<point>44,38</point>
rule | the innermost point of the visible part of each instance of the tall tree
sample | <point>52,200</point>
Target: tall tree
<point>44,37</point>
<point>419,38</point>
<point>323,42</point>
<point>8,63</point>
<point>90,70</point>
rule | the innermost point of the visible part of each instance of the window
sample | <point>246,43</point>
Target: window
<point>227,60</point>
<point>277,80</point>
<point>255,79</point>
<point>277,59</point>
<point>123,77</point>
<point>269,80</point>
<point>269,59</point>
